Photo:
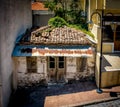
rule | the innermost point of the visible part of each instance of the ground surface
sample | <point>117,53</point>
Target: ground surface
<point>35,96</point>
<point>113,103</point>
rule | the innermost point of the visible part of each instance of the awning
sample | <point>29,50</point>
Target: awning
<point>73,51</point>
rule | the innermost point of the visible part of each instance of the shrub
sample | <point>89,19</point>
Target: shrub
<point>57,22</point>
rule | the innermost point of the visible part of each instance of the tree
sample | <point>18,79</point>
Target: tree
<point>70,11</point>
<point>58,6</point>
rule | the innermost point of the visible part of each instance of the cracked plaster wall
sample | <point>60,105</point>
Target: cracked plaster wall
<point>74,70</point>
<point>25,78</point>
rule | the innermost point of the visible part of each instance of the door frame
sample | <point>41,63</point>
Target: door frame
<point>116,42</point>
<point>56,70</point>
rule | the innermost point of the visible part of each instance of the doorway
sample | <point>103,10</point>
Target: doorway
<point>117,39</point>
<point>56,69</point>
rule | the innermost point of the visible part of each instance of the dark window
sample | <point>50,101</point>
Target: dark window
<point>118,33</point>
<point>52,59</point>
<point>61,62</point>
<point>51,62</point>
<point>107,33</point>
<point>61,58</point>
<point>32,64</point>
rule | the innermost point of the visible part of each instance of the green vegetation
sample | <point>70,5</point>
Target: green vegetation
<point>68,14</point>
<point>60,22</point>
<point>57,22</point>
<point>71,11</point>
<point>79,27</point>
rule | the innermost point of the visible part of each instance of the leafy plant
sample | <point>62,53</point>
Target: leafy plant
<point>71,12</point>
<point>57,22</point>
<point>60,22</point>
<point>79,27</point>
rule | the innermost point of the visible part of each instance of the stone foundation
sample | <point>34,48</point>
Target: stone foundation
<point>30,79</point>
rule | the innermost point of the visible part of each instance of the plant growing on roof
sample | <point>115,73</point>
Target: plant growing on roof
<point>57,22</point>
<point>71,11</point>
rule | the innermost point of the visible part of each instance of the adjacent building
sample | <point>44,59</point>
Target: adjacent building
<point>105,14</point>
<point>40,14</point>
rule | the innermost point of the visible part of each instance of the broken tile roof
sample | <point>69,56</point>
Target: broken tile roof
<point>61,35</point>
<point>38,6</point>
<point>48,41</point>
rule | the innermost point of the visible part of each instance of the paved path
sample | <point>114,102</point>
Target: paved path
<point>74,93</point>
<point>113,103</point>
<point>35,96</point>
<point>82,98</point>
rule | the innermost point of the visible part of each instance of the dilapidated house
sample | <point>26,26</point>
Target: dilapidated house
<point>53,55</point>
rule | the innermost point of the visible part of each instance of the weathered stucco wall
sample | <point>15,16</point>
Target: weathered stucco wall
<point>108,47</point>
<point>80,68</point>
<point>26,78</point>
<point>70,67</point>
<point>15,18</point>
<point>76,68</point>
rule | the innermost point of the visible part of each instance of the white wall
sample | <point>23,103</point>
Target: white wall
<point>15,18</point>
<point>41,65</point>
<point>70,67</point>
<point>25,78</point>
<point>22,65</point>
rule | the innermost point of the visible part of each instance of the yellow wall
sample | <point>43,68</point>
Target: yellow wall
<point>96,30</point>
<point>107,4</point>
<point>112,4</point>
<point>99,4</point>
<point>97,69</point>
<point>110,78</point>
<point>92,7</point>
<point>82,4</point>
<point>108,47</point>
<point>113,77</point>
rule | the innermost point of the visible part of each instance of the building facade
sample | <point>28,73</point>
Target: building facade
<point>105,15</point>
<point>54,57</point>
<point>40,14</point>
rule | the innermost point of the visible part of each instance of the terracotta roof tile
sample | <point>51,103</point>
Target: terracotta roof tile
<point>62,35</point>
<point>38,6</point>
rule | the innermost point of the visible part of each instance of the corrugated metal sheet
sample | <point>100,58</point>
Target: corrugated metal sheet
<point>30,50</point>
